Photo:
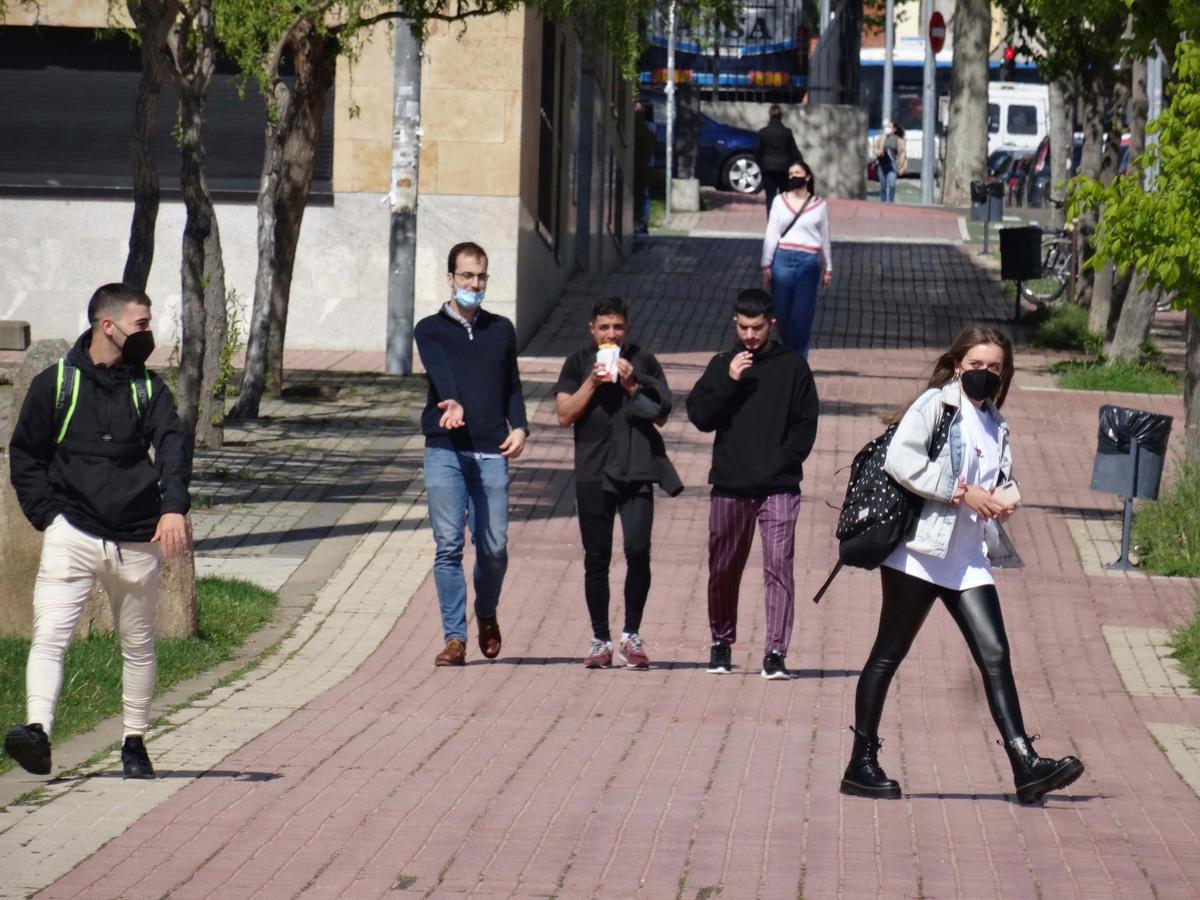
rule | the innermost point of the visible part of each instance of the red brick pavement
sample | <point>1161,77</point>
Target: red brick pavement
<point>848,219</point>
<point>530,776</point>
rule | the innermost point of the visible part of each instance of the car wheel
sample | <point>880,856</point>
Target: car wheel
<point>742,174</point>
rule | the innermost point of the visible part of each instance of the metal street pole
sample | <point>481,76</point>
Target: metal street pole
<point>889,39</point>
<point>670,105</point>
<point>402,244</point>
<point>824,15</point>
<point>1154,89</point>
<point>928,104</point>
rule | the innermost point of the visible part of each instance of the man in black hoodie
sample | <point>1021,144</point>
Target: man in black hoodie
<point>82,472</point>
<point>761,401</point>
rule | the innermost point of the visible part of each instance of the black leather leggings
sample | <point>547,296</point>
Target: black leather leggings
<point>976,612</point>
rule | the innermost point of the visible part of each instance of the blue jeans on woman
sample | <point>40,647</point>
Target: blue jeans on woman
<point>887,186</point>
<point>795,275</point>
<point>462,489</point>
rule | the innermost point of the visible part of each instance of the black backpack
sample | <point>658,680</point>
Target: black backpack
<point>878,513</point>
<point>66,397</point>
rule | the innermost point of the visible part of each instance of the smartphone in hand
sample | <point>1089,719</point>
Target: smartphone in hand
<point>1008,493</point>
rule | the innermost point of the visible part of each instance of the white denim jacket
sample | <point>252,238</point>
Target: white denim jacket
<point>908,462</point>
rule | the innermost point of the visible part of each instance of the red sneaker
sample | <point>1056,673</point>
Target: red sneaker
<point>599,655</point>
<point>632,654</point>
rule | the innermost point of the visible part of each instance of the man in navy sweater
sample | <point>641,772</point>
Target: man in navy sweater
<point>474,423</point>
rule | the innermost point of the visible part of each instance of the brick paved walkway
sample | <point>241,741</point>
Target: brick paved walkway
<point>532,777</point>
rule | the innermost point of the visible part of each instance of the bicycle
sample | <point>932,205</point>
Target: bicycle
<point>1058,266</point>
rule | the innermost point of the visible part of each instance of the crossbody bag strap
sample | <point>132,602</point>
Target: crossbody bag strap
<point>803,207</point>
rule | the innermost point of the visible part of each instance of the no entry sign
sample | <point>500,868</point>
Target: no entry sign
<point>937,31</point>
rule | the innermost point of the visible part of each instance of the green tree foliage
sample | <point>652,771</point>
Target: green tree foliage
<point>1157,231</point>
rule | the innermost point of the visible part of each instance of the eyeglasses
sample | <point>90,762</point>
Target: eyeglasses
<point>481,277</point>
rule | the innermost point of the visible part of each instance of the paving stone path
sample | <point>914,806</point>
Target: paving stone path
<point>532,777</point>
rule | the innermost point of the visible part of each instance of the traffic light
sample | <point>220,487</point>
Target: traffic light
<point>1009,64</point>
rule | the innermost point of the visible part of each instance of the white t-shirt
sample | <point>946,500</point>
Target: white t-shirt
<point>966,563</point>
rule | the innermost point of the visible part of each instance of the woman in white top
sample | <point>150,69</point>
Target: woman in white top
<point>796,256</point>
<point>950,555</point>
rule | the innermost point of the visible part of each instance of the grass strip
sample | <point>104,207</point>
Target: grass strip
<point>1117,377</point>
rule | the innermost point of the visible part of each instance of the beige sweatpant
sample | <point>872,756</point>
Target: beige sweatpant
<point>71,561</point>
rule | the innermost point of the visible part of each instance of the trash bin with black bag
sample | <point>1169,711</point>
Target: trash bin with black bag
<point>1132,445</point>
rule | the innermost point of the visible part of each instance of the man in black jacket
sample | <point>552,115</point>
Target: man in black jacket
<point>614,393</point>
<point>83,475</point>
<point>775,151</point>
<point>761,401</point>
<point>474,423</point>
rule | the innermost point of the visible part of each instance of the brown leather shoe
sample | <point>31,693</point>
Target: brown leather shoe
<point>489,637</point>
<point>455,654</point>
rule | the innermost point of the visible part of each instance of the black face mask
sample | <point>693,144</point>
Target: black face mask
<point>796,183</point>
<point>138,347</point>
<point>980,384</point>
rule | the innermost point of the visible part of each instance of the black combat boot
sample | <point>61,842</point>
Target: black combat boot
<point>864,777</point>
<point>1035,775</point>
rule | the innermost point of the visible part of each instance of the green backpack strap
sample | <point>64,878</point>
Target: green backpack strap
<point>66,396</point>
<point>143,391</point>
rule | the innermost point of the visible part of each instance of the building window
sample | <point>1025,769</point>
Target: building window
<point>550,136</point>
<point>616,198</point>
<point>67,109</point>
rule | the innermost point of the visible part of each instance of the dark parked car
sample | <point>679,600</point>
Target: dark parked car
<point>726,156</point>
<point>1038,189</point>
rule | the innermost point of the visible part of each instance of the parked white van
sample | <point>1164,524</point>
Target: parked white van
<point>1018,116</point>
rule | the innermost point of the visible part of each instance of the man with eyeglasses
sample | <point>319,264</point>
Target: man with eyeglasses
<point>474,423</point>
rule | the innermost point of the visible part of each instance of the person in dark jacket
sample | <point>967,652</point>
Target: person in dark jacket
<point>761,401</point>
<point>614,393</point>
<point>474,423</point>
<point>775,151</point>
<point>83,475</point>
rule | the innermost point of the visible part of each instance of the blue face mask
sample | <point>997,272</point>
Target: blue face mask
<point>468,299</point>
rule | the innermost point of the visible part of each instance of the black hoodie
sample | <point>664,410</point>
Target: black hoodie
<point>100,477</point>
<point>766,421</point>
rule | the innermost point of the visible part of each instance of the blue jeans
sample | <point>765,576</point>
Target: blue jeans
<point>795,275</point>
<point>887,186</point>
<point>461,490</point>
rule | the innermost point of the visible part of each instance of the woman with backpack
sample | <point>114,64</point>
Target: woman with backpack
<point>968,491</point>
<point>796,256</point>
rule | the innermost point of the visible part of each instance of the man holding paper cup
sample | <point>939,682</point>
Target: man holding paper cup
<point>614,393</point>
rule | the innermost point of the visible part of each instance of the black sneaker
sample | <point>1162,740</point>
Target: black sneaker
<point>773,668</point>
<point>29,745</point>
<point>719,659</point>
<point>135,759</point>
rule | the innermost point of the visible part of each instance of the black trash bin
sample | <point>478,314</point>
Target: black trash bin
<point>1119,468</point>
<point>987,201</point>
<point>1021,253</point>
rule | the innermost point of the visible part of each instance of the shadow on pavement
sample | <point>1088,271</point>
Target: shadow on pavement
<point>1006,798</point>
<point>179,773</point>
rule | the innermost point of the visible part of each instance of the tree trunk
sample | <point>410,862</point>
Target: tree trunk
<point>316,63</point>
<point>1133,327</point>
<point>254,370</point>
<point>1062,144</point>
<point>1136,317</point>
<point>966,147</point>
<point>1090,160</point>
<point>1191,389</point>
<point>153,21</point>
<point>1106,291</point>
<point>203,272</point>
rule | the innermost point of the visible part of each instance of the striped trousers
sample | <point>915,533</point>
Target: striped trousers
<point>730,532</point>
